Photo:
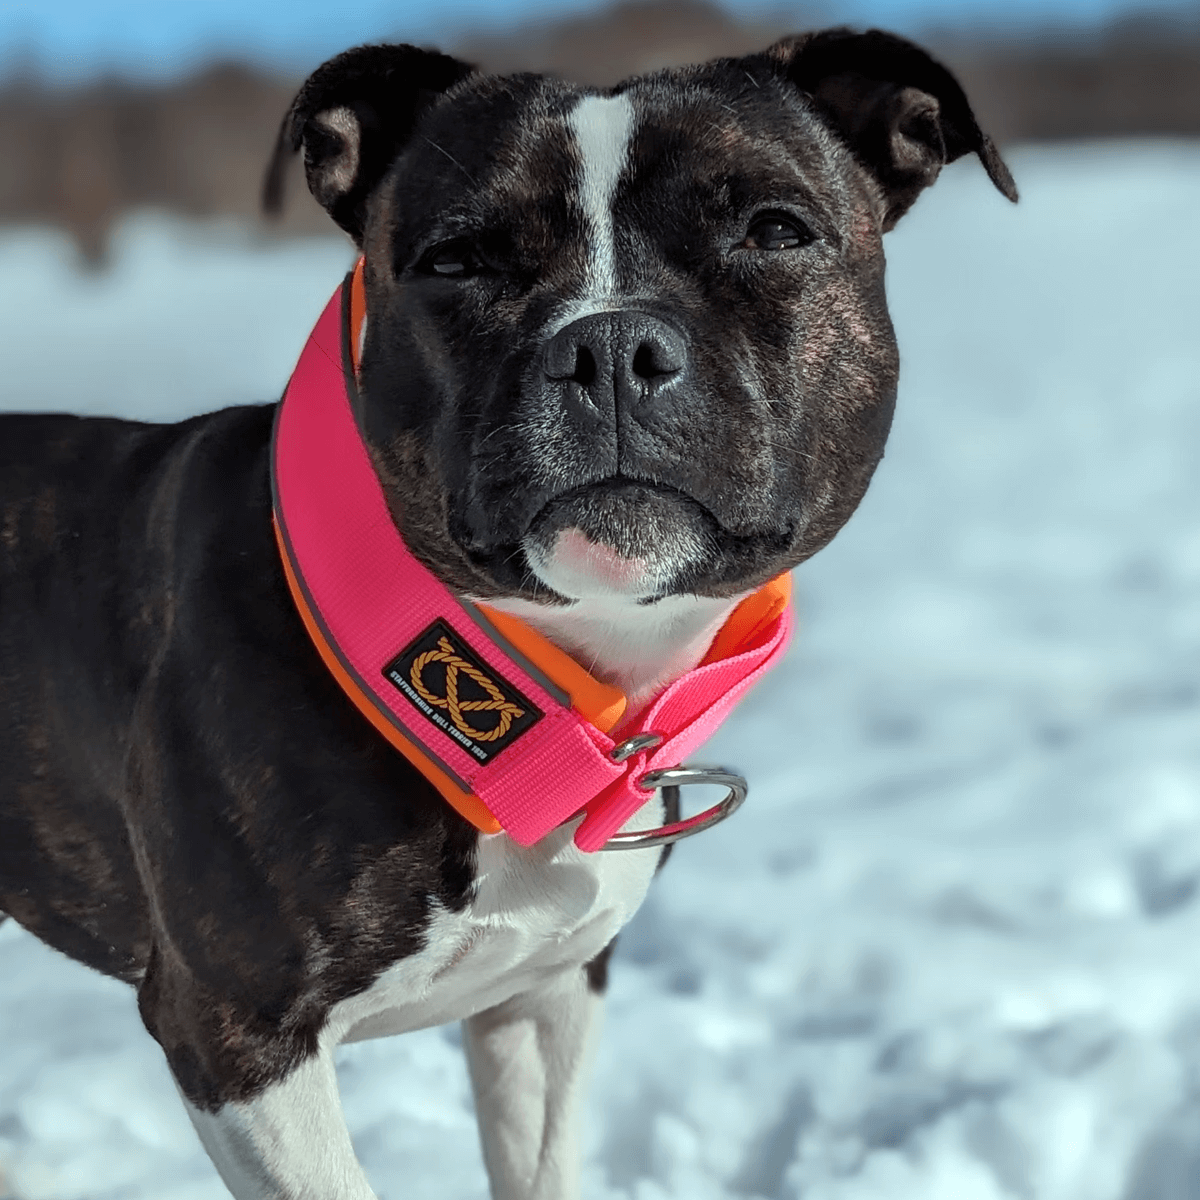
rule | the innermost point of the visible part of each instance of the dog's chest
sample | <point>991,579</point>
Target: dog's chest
<point>533,913</point>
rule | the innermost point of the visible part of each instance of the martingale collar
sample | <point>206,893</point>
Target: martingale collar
<point>511,731</point>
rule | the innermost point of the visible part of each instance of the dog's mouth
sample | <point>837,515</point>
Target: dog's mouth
<point>619,538</point>
<point>616,538</point>
<point>632,541</point>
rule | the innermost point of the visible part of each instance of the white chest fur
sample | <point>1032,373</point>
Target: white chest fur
<point>533,912</point>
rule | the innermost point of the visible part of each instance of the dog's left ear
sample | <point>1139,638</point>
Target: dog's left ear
<point>901,112</point>
<point>352,117</point>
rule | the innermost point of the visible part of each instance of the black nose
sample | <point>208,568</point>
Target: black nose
<point>621,359</point>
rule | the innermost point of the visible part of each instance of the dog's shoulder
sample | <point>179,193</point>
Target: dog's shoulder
<point>180,766</point>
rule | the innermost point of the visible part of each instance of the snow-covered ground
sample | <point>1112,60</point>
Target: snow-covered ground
<point>950,950</point>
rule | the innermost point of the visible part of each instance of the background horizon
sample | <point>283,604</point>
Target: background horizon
<point>112,109</point>
<point>76,42</point>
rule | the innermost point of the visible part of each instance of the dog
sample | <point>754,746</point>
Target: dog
<point>626,357</point>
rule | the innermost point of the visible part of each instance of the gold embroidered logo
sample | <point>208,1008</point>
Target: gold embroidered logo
<point>449,685</point>
<point>505,709</point>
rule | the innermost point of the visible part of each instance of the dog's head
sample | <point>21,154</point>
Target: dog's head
<point>633,341</point>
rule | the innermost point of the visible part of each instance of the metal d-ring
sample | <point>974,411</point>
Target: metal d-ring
<point>675,778</point>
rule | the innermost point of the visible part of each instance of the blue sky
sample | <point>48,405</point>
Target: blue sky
<point>72,39</point>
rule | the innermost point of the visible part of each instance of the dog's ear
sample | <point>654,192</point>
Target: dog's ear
<point>352,116</point>
<point>901,112</point>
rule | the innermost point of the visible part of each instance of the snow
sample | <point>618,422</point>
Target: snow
<point>947,950</point>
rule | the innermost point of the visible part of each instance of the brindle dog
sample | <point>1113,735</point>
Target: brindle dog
<point>627,355</point>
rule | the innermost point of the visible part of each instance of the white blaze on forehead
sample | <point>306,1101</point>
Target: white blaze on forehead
<point>602,126</point>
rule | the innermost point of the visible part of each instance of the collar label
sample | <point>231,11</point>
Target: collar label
<point>453,689</point>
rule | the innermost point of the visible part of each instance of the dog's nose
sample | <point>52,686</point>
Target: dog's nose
<point>621,359</point>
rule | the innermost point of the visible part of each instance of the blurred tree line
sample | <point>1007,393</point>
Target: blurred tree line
<point>79,158</point>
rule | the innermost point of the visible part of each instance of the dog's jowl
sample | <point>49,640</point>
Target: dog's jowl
<point>616,361</point>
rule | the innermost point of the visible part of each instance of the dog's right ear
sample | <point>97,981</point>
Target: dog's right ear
<point>902,113</point>
<point>352,116</point>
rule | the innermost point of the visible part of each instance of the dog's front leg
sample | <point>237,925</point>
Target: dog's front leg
<point>527,1059</point>
<point>288,1143</point>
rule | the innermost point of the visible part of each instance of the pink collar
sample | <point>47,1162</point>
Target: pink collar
<point>500,735</point>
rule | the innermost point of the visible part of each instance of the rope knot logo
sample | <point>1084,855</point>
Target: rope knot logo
<point>460,694</point>
<point>457,707</point>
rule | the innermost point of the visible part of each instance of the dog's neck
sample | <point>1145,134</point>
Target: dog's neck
<point>639,648</point>
<point>608,626</point>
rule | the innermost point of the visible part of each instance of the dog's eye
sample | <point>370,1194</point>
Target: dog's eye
<point>772,231</point>
<point>455,259</point>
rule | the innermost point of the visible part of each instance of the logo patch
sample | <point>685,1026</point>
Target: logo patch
<point>449,685</point>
